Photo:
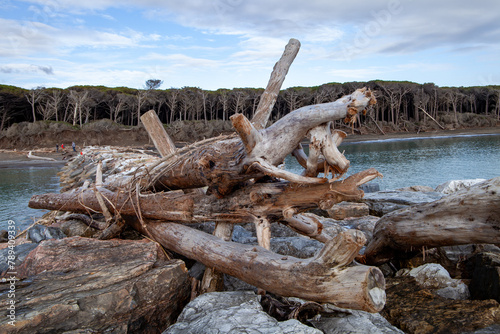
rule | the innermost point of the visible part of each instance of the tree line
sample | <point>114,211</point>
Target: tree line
<point>397,102</point>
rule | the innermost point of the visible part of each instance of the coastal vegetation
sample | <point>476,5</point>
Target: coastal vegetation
<point>401,106</point>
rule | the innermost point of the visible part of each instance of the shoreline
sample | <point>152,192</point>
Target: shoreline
<point>19,158</point>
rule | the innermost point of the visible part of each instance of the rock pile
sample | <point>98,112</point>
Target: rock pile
<point>70,282</point>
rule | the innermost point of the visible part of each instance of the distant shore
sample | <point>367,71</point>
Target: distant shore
<point>19,158</point>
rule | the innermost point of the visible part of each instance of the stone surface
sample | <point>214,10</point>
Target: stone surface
<point>355,322</point>
<point>431,275</point>
<point>455,185</point>
<point>76,228</point>
<point>39,233</point>
<point>20,251</point>
<point>435,276</point>
<point>370,187</point>
<point>364,224</point>
<point>383,202</point>
<point>414,310</point>
<point>90,286</point>
<point>345,210</point>
<point>232,312</point>
<point>300,247</point>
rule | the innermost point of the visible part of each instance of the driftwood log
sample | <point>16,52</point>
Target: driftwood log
<point>245,185</point>
<point>471,215</point>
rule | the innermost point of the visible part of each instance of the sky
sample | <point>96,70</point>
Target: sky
<point>235,43</point>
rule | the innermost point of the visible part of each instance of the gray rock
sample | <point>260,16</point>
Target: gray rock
<point>39,233</point>
<point>232,312</point>
<point>77,228</point>
<point>431,275</point>
<point>435,276</point>
<point>383,202</point>
<point>364,224</point>
<point>243,236</point>
<point>455,185</point>
<point>458,292</point>
<point>357,322</point>
<point>20,251</point>
<point>370,187</point>
<point>494,329</point>
<point>300,247</point>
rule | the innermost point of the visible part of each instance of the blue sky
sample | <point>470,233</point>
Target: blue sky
<point>235,43</point>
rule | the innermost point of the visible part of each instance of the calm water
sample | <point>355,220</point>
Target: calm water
<point>427,162</point>
<point>16,188</point>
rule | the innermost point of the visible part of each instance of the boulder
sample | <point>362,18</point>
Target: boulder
<point>434,276</point>
<point>38,233</point>
<point>355,322</point>
<point>364,224</point>
<point>370,187</point>
<point>383,202</point>
<point>232,312</point>
<point>431,275</point>
<point>86,285</point>
<point>299,247</point>
<point>455,185</point>
<point>344,210</point>
<point>77,228</point>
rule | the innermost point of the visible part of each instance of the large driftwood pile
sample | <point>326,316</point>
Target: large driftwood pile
<point>236,179</point>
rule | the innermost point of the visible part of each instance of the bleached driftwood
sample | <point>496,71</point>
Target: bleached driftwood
<point>246,186</point>
<point>32,156</point>
<point>471,215</point>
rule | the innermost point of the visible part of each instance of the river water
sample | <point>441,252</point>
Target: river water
<point>422,161</point>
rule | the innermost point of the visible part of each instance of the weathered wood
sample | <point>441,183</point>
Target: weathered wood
<point>256,200</point>
<point>432,118</point>
<point>322,278</point>
<point>32,156</point>
<point>273,88</point>
<point>225,164</point>
<point>162,141</point>
<point>213,279</point>
<point>469,216</point>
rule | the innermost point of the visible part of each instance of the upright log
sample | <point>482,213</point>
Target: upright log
<point>162,141</point>
<point>273,88</point>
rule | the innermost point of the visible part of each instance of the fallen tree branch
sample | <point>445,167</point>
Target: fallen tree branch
<point>322,278</point>
<point>469,216</point>
<point>260,199</point>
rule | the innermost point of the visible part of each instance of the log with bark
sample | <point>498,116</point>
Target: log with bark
<point>471,215</point>
<point>245,185</point>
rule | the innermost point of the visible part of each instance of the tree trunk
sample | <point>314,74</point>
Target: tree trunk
<point>468,216</point>
<point>323,278</point>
